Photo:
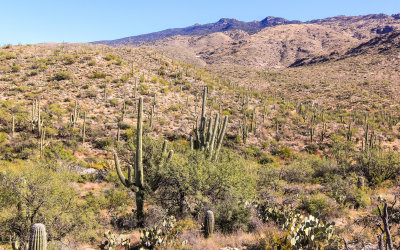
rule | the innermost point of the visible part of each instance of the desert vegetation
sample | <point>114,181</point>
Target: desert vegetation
<point>126,148</point>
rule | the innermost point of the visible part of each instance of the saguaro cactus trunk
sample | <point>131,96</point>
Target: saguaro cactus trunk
<point>38,238</point>
<point>209,224</point>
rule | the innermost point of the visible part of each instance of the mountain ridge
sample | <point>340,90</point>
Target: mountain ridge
<point>272,42</point>
<point>226,24</point>
<point>223,24</point>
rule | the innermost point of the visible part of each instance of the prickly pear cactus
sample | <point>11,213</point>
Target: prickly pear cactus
<point>38,239</point>
<point>209,224</point>
<point>310,232</point>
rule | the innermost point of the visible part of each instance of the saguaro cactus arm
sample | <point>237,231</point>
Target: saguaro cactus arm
<point>126,182</point>
<point>221,137</point>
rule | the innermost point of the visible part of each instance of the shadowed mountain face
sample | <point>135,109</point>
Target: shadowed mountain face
<point>272,42</point>
<point>385,44</point>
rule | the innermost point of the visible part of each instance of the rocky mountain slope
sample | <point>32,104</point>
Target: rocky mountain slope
<point>384,44</point>
<point>272,42</point>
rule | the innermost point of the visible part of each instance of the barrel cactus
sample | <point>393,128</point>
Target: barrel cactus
<point>209,224</point>
<point>38,238</point>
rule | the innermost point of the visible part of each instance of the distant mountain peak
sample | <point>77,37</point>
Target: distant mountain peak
<point>396,16</point>
<point>273,21</point>
<point>227,20</point>
<point>223,24</point>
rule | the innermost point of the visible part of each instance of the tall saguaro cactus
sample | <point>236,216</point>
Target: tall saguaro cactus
<point>38,238</point>
<point>135,180</point>
<point>207,134</point>
<point>84,128</point>
<point>12,126</point>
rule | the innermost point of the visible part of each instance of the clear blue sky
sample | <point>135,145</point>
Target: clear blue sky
<point>35,21</point>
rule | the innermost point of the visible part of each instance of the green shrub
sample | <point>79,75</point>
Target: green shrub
<point>125,78</point>
<point>98,75</point>
<point>68,59</point>
<point>39,195</point>
<point>15,68</point>
<point>231,215</point>
<point>379,166</point>
<point>319,204</point>
<point>114,102</point>
<point>62,75</point>
<point>164,90</point>
<point>104,143</point>
<point>110,57</point>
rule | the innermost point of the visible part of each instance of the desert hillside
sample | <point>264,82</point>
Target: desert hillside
<point>286,137</point>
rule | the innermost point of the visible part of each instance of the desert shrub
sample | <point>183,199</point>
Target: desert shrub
<point>174,107</point>
<point>91,93</point>
<point>57,157</point>
<point>379,166</point>
<point>191,180</point>
<point>62,75</point>
<point>104,143</point>
<point>68,59</point>
<point>33,73</point>
<point>38,195</point>
<point>125,77</point>
<point>143,89</point>
<point>299,171</point>
<point>281,151</point>
<point>311,148</point>
<point>164,90</point>
<point>310,168</point>
<point>343,152</point>
<point>319,204</point>
<point>231,215</point>
<point>116,200</point>
<point>123,125</point>
<point>15,68</point>
<point>9,56</point>
<point>113,102</point>
<point>97,75</point>
<point>3,137</point>
<point>55,109</point>
<point>110,57</point>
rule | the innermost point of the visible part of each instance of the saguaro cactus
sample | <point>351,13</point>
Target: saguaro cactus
<point>205,135</point>
<point>38,238</point>
<point>123,111</point>
<point>75,115</point>
<point>84,128</point>
<point>209,224</point>
<point>135,180</point>
<point>12,126</point>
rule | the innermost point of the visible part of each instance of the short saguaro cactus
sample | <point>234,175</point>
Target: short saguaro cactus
<point>209,224</point>
<point>38,238</point>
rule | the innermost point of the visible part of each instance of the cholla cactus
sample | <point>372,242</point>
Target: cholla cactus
<point>38,239</point>
<point>209,224</point>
